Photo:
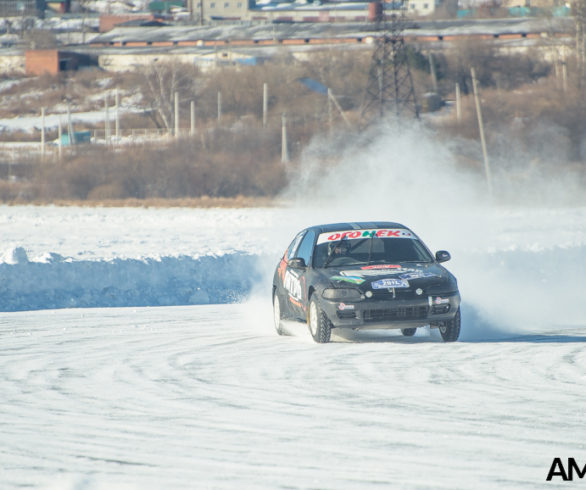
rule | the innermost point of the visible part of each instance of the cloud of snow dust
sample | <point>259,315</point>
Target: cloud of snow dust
<point>520,268</point>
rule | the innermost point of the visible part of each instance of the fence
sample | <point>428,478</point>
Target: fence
<point>112,134</point>
<point>34,152</point>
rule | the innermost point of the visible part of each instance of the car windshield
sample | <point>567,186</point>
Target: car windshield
<point>368,247</point>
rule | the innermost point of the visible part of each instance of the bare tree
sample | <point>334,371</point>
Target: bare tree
<point>160,81</point>
<point>40,39</point>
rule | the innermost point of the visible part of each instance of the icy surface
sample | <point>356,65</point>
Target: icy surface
<point>105,233</point>
<point>210,397</point>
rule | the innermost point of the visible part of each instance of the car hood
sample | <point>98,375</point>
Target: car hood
<point>431,278</point>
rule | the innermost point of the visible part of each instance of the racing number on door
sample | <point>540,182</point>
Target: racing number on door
<point>288,279</point>
<point>295,279</point>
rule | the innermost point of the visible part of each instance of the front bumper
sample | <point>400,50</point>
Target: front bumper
<point>398,313</point>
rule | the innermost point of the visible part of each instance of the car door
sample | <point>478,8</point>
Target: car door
<point>296,279</point>
<point>285,278</point>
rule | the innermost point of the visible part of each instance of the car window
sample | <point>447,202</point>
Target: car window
<point>293,247</point>
<point>306,247</point>
<point>358,248</point>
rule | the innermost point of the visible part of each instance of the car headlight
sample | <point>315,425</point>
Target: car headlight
<point>342,294</point>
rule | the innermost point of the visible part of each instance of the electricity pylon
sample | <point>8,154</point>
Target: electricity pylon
<point>389,90</point>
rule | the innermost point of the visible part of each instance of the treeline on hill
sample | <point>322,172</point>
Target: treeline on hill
<point>530,119</point>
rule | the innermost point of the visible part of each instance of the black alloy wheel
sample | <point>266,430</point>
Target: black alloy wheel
<point>320,326</point>
<point>450,330</point>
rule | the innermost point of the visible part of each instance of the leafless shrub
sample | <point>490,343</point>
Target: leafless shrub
<point>230,165</point>
<point>536,125</point>
<point>40,39</point>
<point>242,86</point>
<point>504,71</point>
<point>160,81</point>
<point>488,9</point>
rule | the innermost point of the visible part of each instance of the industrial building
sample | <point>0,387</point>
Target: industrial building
<point>124,48</point>
<point>306,33</point>
<point>53,61</point>
<point>19,8</point>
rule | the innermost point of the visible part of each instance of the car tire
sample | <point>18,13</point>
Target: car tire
<point>408,332</point>
<point>450,330</point>
<point>319,324</point>
<point>278,314</point>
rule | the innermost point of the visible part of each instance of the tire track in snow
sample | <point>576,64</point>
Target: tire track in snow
<point>210,396</point>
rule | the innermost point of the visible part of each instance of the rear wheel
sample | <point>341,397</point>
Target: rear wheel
<point>408,332</point>
<point>450,330</point>
<point>277,315</point>
<point>319,323</point>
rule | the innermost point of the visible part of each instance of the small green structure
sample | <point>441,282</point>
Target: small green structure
<point>165,5</point>
<point>78,136</point>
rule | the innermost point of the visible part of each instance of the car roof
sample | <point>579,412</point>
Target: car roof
<point>362,225</point>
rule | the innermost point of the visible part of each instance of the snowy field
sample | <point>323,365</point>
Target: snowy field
<point>186,385</point>
<point>208,396</point>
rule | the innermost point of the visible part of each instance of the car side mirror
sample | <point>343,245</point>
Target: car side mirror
<point>297,263</point>
<point>442,256</point>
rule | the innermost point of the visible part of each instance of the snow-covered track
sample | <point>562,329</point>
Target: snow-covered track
<point>211,397</point>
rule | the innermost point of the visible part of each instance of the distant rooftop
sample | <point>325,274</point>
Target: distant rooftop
<point>316,30</point>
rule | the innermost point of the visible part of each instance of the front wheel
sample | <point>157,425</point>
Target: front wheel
<point>408,332</point>
<point>450,330</point>
<point>319,323</point>
<point>278,317</point>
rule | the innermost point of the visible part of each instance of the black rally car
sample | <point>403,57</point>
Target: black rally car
<point>365,276</point>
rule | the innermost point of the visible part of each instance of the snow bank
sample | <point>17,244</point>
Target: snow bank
<point>52,281</point>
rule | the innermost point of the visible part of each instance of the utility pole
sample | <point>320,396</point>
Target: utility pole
<point>117,116</point>
<point>192,117</point>
<point>176,114</point>
<point>330,114</point>
<point>107,122</point>
<point>265,105</point>
<point>60,139</point>
<point>339,107</point>
<point>564,70</point>
<point>43,132</point>
<point>433,73</point>
<point>71,136</point>
<point>284,144</point>
<point>481,126</point>
<point>458,104</point>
